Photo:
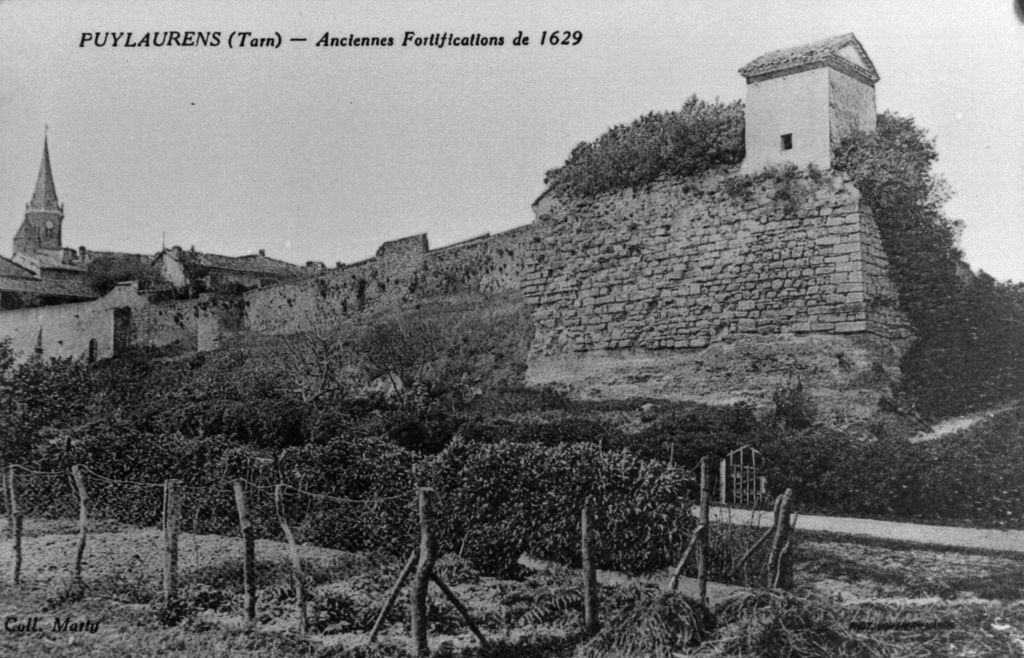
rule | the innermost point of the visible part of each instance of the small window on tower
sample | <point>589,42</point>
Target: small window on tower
<point>787,141</point>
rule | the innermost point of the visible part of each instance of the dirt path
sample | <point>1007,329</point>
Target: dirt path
<point>1011,541</point>
<point>951,425</point>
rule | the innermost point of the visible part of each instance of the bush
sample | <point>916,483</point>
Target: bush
<point>500,500</point>
<point>661,625</point>
<point>561,431</point>
<point>105,272</point>
<point>686,142</point>
<point>969,350</point>
<point>36,395</point>
<point>774,623</point>
<point>794,407</point>
<point>689,434</point>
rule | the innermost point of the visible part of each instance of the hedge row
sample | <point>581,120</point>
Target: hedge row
<point>495,501</point>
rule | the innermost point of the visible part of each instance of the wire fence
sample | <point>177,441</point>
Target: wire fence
<point>207,512</point>
<point>185,540</point>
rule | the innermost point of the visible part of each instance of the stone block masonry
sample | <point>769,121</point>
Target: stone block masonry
<point>688,263</point>
<point>121,319</point>
<point>402,272</point>
<point>718,288</point>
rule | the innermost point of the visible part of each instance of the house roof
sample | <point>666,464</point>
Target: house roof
<point>249,264</point>
<point>53,260</point>
<point>10,269</point>
<point>252,264</point>
<point>64,288</point>
<point>15,278</point>
<point>843,52</point>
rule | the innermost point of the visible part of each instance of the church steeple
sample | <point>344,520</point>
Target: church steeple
<point>45,195</point>
<point>44,214</point>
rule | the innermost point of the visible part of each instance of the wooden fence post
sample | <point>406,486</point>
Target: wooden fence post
<point>421,580</point>
<point>703,544</point>
<point>293,552</point>
<point>775,565</point>
<point>722,486</point>
<point>249,570</point>
<point>16,519</point>
<point>454,600</point>
<point>76,473</point>
<point>7,502</point>
<point>591,603</point>
<point>172,523</point>
<point>392,596</point>
<point>762,539</point>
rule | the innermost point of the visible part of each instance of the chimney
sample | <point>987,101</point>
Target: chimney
<point>262,253</point>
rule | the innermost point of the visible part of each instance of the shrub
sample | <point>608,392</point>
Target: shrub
<point>502,499</point>
<point>105,272</point>
<point>776,623</point>
<point>693,139</point>
<point>691,433</point>
<point>35,395</point>
<point>561,431</point>
<point>969,349</point>
<point>794,407</point>
<point>661,625</point>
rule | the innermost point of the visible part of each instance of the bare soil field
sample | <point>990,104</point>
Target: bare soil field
<point>922,602</point>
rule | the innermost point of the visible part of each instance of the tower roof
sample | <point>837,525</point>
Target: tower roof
<point>45,195</point>
<point>843,52</point>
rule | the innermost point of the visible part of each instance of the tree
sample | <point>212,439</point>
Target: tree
<point>105,272</point>
<point>195,271</point>
<point>892,168</point>
<point>969,347</point>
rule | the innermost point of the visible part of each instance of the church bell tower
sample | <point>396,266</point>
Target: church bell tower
<point>44,214</point>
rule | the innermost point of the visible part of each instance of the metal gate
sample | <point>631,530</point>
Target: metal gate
<point>740,478</point>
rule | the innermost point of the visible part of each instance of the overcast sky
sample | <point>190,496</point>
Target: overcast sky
<point>323,153</point>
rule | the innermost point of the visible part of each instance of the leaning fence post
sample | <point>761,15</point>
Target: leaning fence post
<point>76,473</point>
<point>172,521</point>
<point>775,558</point>
<point>293,552</point>
<point>249,570</point>
<point>703,545</point>
<point>16,523</point>
<point>591,603</point>
<point>392,596</point>
<point>421,580</point>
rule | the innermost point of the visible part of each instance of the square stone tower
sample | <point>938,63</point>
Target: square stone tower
<point>802,101</point>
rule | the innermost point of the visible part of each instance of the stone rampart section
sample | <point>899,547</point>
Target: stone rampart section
<point>719,288</point>
<point>402,272</point>
<point>78,330</point>
<point>685,264</point>
<point>166,324</point>
<point>122,318</point>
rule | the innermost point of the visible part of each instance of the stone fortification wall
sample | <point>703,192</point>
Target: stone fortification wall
<point>92,329</point>
<point>401,272</point>
<point>69,330</point>
<point>685,264</point>
<point>187,324</point>
<point>166,324</point>
<point>720,288</point>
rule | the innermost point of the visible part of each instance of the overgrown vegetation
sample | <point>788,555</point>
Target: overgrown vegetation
<point>688,141</point>
<point>105,272</point>
<point>969,350</point>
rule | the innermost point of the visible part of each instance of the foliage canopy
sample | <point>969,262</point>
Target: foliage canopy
<point>969,350</point>
<point>695,138</point>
